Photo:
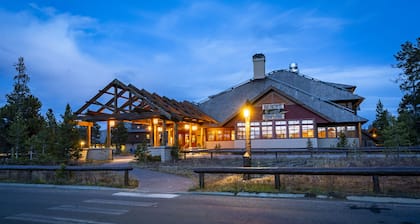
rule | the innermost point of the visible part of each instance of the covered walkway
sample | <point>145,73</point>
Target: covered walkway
<point>165,122</point>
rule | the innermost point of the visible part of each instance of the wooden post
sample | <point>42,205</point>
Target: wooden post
<point>277,181</point>
<point>126,179</point>
<point>201,180</point>
<point>376,186</point>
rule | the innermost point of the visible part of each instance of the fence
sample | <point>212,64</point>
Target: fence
<point>29,169</point>
<point>276,171</point>
<point>305,151</point>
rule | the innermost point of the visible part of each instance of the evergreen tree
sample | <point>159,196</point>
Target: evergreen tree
<point>119,135</point>
<point>342,140</point>
<point>96,133</point>
<point>17,136</point>
<point>381,122</point>
<point>22,108</point>
<point>398,132</point>
<point>409,62</point>
<point>68,137</point>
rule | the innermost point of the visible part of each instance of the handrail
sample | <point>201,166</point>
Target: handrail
<point>344,171</point>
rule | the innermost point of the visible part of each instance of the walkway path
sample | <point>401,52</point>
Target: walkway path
<point>156,182</point>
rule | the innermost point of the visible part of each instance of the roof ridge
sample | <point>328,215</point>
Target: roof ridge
<point>310,95</point>
<point>331,84</point>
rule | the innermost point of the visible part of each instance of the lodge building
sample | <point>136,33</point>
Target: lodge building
<point>288,110</point>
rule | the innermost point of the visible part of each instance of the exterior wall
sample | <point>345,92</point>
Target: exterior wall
<point>332,142</point>
<point>222,144</point>
<point>277,143</point>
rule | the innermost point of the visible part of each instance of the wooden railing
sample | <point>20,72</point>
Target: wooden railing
<point>306,151</point>
<point>375,172</point>
<point>31,168</point>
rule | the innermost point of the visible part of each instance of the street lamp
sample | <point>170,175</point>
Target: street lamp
<point>247,155</point>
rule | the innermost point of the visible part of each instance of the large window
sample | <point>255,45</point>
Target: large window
<point>294,129</point>
<point>322,133</point>
<point>220,134</point>
<point>307,128</point>
<point>351,132</point>
<point>331,132</point>
<point>267,129</point>
<point>255,130</point>
<point>240,131</point>
<point>281,129</point>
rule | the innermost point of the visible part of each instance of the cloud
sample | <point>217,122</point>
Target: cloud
<point>187,52</point>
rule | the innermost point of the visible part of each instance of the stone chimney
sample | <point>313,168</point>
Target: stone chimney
<point>259,66</point>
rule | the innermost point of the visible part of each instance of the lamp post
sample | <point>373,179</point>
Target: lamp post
<point>247,155</point>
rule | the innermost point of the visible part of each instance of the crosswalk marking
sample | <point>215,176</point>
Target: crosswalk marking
<point>84,209</point>
<point>119,202</point>
<point>145,195</point>
<point>51,219</point>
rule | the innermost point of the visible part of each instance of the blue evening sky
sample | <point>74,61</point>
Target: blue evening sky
<point>188,50</point>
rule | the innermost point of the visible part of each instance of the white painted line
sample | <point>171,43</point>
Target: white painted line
<point>51,219</point>
<point>145,195</point>
<point>83,209</point>
<point>384,199</point>
<point>119,202</point>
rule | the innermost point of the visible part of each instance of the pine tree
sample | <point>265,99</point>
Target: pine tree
<point>68,137</point>
<point>409,62</point>
<point>119,135</point>
<point>381,122</point>
<point>22,108</point>
<point>96,133</point>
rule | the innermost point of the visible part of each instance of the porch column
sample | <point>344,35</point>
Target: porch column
<point>164,135</point>
<point>190,136</point>
<point>155,132</point>
<point>176,142</point>
<point>152,131</point>
<point>202,137</point>
<point>89,136</point>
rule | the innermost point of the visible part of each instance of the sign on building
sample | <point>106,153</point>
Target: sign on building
<point>274,111</point>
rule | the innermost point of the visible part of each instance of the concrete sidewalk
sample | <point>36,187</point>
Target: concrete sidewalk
<point>156,182</point>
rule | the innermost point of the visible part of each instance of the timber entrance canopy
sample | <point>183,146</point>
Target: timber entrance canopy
<point>118,101</point>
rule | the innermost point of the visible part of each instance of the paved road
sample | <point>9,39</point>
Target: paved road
<point>65,206</point>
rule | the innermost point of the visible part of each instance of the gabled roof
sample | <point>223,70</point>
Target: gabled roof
<point>122,102</point>
<point>315,95</point>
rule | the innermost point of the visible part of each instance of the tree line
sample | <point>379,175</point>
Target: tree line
<point>24,132</point>
<point>403,129</point>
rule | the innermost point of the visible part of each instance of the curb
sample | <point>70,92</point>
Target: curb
<point>373,199</point>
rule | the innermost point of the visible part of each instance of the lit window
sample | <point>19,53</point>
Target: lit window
<point>321,132</point>
<point>240,131</point>
<point>267,129</point>
<point>281,129</point>
<point>332,132</point>
<point>307,129</point>
<point>294,129</point>
<point>255,130</point>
